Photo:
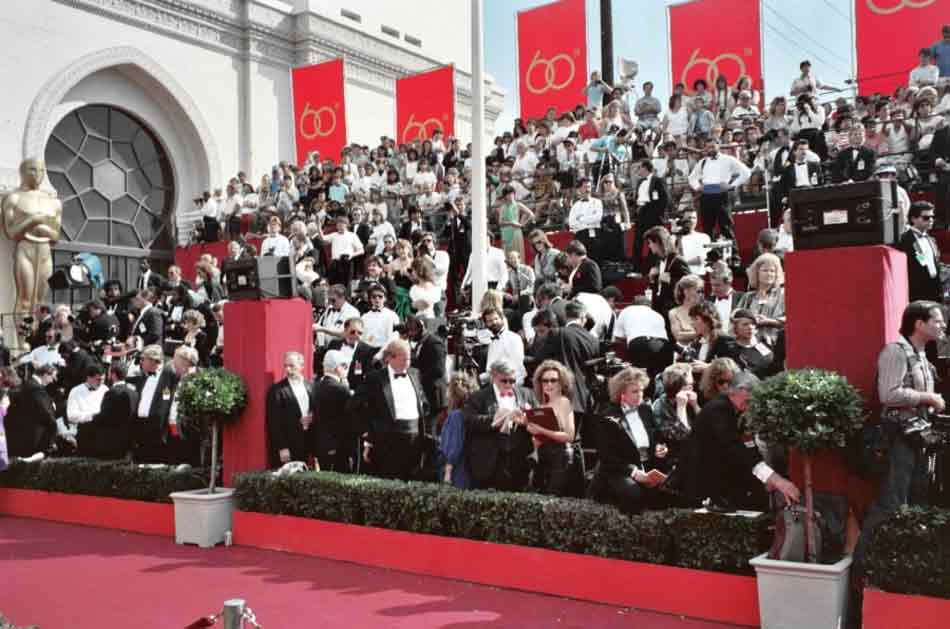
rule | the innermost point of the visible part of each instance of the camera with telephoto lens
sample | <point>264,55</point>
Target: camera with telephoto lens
<point>599,372</point>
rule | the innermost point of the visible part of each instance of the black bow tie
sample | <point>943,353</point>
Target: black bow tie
<point>333,310</point>
<point>715,157</point>
<point>91,388</point>
<point>376,309</point>
<point>724,298</point>
<point>400,375</point>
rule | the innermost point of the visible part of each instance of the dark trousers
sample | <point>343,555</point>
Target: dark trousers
<point>611,240</point>
<point>341,272</point>
<point>396,455</point>
<point>645,220</point>
<point>715,210</point>
<point>621,491</point>
<point>905,482</point>
<point>511,473</point>
<point>594,242</point>
<point>555,472</point>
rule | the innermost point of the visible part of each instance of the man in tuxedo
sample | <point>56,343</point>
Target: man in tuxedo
<point>801,172</point>
<point>175,280</point>
<point>428,354</point>
<point>393,404</point>
<point>289,414</point>
<point>147,277</point>
<point>149,324</point>
<point>723,461</point>
<point>101,326</point>
<point>118,304</point>
<point>548,296</point>
<point>652,201</point>
<point>855,163</point>
<point>413,228</point>
<point>940,154</point>
<point>497,443</point>
<point>359,356</point>
<point>335,439</point>
<point>722,296</point>
<point>31,421</point>
<point>572,346</point>
<point>109,434</point>
<point>585,275</point>
<point>923,254</point>
<point>457,232</point>
<point>153,425</point>
<point>43,316</point>
<point>627,447</point>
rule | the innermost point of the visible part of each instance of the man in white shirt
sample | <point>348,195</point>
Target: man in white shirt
<point>808,83</point>
<point>344,246</point>
<point>693,245</point>
<point>525,164</point>
<point>336,314</point>
<point>496,270</point>
<point>83,403</point>
<point>745,109</point>
<point>586,215</point>
<point>715,175</point>
<point>424,176</point>
<point>722,296</point>
<point>639,320</point>
<point>599,312</point>
<point>276,244</point>
<point>47,354</point>
<point>503,344</point>
<point>440,260</point>
<point>926,73</point>
<point>379,322</point>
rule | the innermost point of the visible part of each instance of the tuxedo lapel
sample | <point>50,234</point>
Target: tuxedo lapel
<point>388,394</point>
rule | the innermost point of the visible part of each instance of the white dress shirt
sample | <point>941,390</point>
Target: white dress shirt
<point>801,175</point>
<point>379,326</point>
<point>84,402</point>
<point>643,190</point>
<point>922,77</point>
<point>496,270</point>
<point>405,404</point>
<point>44,355</point>
<point>693,245</point>
<point>508,346</point>
<point>334,320</point>
<point>300,392</point>
<point>585,215</point>
<point>723,170</point>
<point>724,308</point>
<point>641,438</point>
<point>923,247</point>
<point>379,233</point>
<point>148,392</point>
<point>599,310</point>
<point>636,321</point>
<point>276,245</point>
<point>345,243</point>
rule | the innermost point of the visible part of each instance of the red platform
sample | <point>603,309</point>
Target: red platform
<point>256,336</point>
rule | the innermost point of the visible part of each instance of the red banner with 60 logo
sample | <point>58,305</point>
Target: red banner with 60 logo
<point>731,48</point>
<point>425,103</point>
<point>319,110</point>
<point>552,57</point>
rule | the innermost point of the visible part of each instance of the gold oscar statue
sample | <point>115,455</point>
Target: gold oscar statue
<point>31,218</point>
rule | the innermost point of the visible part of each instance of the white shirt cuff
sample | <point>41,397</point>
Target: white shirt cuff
<point>762,471</point>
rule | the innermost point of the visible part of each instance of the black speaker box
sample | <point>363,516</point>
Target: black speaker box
<point>846,215</point>
<point>258,278</point>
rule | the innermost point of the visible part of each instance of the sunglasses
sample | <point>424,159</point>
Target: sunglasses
<point>550,380</point>
<point>506,380</point>
<point>927,217</point>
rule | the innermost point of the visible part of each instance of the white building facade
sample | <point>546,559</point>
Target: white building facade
<point>141,105</point>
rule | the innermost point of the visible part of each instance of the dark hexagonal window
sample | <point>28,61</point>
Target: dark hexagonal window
<point>95,149</point>
<point>124,208</point>
<point>95,205</point>
<point>128,192</point>
<point>80,175</point>
<point>109,180</point>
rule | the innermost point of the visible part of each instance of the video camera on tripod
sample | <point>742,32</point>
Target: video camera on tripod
<point>599,372</point>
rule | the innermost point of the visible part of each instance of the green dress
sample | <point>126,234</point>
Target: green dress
<point>512,238</point>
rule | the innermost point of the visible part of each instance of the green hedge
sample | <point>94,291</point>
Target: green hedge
<point>911,553</point>
<point>673,537</point>
<point>110,479</point>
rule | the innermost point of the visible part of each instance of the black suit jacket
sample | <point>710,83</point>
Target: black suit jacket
<point>151,327</point>
<point>860,169</point>
<point>720,461</point>
<point>283,422</point>
<point>332,422</point>
<point>429,358</point>
<point>405,230</point>
<point>485,445</point>
<point>113,423</point>
<point>154,431</point>
<point>663,298</point>
<point>733,302</point>
<point>374,409</point>
<point>458,234</point>
<point>154,281</point>
<point>362,362</point>
<point>572,346</point>
<point>922,286</point>
<point>940,147</point>
<point>587,278</point>
<point>30,421</point>
<point>616,450</point>
<point>651,214</point>
<point>788,177</point>
<point>39,337</point>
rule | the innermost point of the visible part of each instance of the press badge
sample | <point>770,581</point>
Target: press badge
<point>656,195</point>
<point>860,164</point>
<point>166,394</point>
<point>590,232</point>
<point>141,327</point>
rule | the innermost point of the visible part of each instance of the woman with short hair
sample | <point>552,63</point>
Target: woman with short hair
<point>766,297</point>
<point>676,409</point>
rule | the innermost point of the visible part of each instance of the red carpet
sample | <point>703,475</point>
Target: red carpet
<point>59,575</point>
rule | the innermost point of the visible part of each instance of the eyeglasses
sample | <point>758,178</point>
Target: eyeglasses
<point>506,380</point>
<point>550,380</point>
<point>927,217</point>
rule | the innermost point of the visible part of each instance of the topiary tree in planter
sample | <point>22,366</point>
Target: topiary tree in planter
<point>209,398</point>
<point>810,410</point>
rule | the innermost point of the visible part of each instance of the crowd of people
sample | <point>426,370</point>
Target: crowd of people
<point>522,391</point>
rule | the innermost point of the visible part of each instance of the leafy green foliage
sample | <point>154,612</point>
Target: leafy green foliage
<point>212,395</point>
<point>910,553</point>
<point>674,537</point>
<point>808,409</point>
<point>109,479</point>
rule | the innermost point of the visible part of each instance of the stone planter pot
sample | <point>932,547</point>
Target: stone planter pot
<point>794,595</point>
<point>202,518</point>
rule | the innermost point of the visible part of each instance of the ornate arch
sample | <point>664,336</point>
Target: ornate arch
<point>43,112</point>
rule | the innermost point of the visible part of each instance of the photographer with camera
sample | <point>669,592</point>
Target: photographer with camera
<point>807,122</point>
<point>905,386</point>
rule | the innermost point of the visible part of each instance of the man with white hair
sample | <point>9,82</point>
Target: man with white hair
<point>393,407</point>
<point>335,439</point>
<point>289,413</point>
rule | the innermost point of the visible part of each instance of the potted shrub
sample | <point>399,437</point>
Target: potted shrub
<point>207,398</point>
<point>810,410</point>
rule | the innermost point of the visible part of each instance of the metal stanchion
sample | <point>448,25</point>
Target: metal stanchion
<point>233,613</point>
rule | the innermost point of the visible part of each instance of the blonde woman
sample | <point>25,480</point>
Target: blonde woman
<point>553,386</point>
<point>452,440</point>
<point>766,297</point>
<point>401,270</point>
<point>687,294</point>
<point>717,377</point>
<point>195,336</point>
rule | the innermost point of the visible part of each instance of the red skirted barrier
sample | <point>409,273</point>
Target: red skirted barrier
<point>843,305</point>
<point>883,610</point>
<point>256,336</point>
<point>150,518</point>
<point>724,597</point>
